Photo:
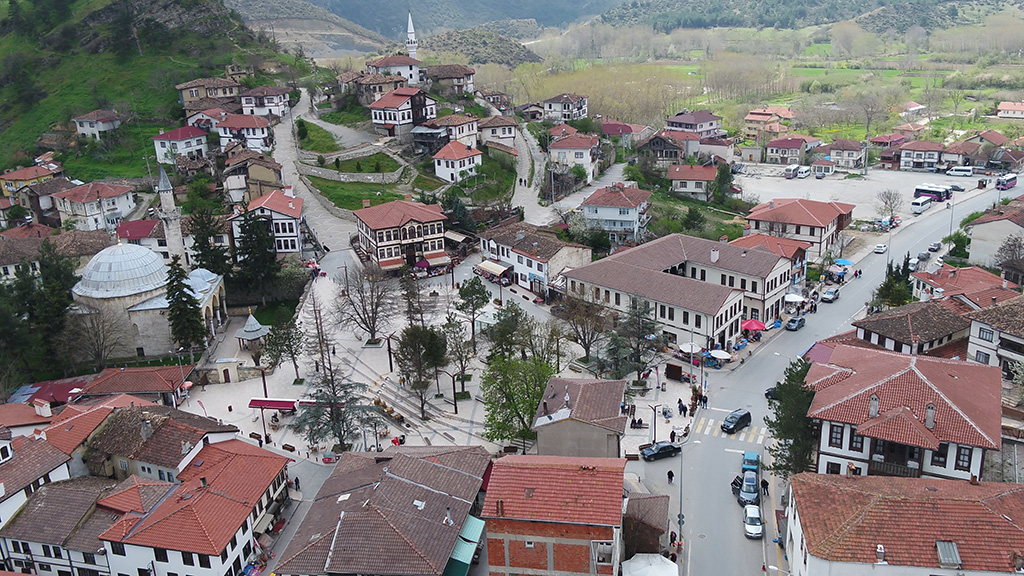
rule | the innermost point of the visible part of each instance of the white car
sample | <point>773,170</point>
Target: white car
<point>881,248</point>
<point>753,527</point>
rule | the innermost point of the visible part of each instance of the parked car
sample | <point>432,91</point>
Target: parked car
<point>819,176</point>
<point>924,256</point>
<point>770,394</point>
<point>935,246</point>
<point>736,421</point>
<point>940,260</point>
<point>753,527</point>
<point>796,323</point>
<point>956,188</point>
<point>747,489</point>
<point>660,450</point>
<point>881,248</point>
<point>751,461</point>
<point>830,295</point>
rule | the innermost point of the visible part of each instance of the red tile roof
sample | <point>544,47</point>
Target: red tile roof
<point>994,137</point>
<point>558,489</point>
<point>203,519</point>
<point>800,211</point>
<point>447,71</point>
<point>954,280</point>
<point>32,459</point>
<point>496,121</point>
<point>242,121</point>
<point>844,519</point>
<point>93,191</point>
<point>964,414</point>
<point>207,83</point>
<point>399,212</point>
<point>276,201</point>
<point>137,380</point>
<point>785,247</point>
<point>395,98</point>
<point>695,117</point>
<point>396,60</point>
<point>593,401</point>
<point>566,98</point>
<point>619,196</point>
<point>686,172</point>
<point>98,116</point>
<point>27,173</point>
<point>456,151</point>
<point>886,138</point>
<point>575,142</point>
<point>179,134</point>
<point>266,91</point>
<point>14,415</point>
<point>76,422</point>
<point>788,143</point>
<point>562,129</point>
<point>31,230</point>
<point>450,120</point>
<point>136,229</point>
<point>136,494</point>
<point>922,146</point>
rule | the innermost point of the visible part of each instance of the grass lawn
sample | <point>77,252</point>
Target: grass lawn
<point>668,212</point>
<point>318,140</point>
<point>275,312</point>
<point>499,181</point>
<point>126,157</point>
<point>424,182</point>
<point>368,163</point>
<point>350,195</point>
<point>351,117</point>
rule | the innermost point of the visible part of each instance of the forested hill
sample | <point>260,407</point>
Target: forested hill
<point>63,58</point>
<point>481,47</point>
<point>389,17</point>
<point>873,15</point>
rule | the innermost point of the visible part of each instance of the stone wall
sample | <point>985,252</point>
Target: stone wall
<point>331,174</point>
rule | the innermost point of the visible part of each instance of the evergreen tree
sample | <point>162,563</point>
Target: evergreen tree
<point>183,312</point>
<point>636,341</point>
<point>258,267</point>
<point>723,183</point>
<point>473,296</point>
<point>421,351</point>
<point>337,409</point>
<point>792,428</point>
<point>204,226</point>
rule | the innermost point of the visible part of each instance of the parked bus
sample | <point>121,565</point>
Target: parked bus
<point>921,204</point>
<point>1006,182</point>
<point>934,191</point>
<point>791,171</point>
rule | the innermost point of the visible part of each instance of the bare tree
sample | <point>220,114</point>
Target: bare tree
<point>585,319</point>
<point>957,97</point>
<point>369,304</point>
<point>95,336</point>
<point>543,340</point>
<point>888,203</point>
<point>871,105</point>
<point>1011,251</point>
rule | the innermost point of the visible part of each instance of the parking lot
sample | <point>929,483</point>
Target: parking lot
<point>767,183</point>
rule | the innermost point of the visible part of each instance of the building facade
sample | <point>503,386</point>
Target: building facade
<point>95,206</point>
<point>402,233</point>
<point>565,107</point>
<point>619,210</point>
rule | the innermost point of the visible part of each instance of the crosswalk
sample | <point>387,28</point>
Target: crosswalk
<point>710,427</point>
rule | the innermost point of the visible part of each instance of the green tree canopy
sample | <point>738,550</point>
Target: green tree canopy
<point>284,341</point>
<point>636,342</point>
<point>204,226</point>
<point>512,389</point>
<point>337,409</point>
<point>421,351</point>
<point>793,430</point>
<point>473,296</point>
<point>256,253</point>
<point>183,312</point>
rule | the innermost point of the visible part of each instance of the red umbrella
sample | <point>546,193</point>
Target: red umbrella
<point>752,325</point>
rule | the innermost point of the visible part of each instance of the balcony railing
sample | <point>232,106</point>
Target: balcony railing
<point>892,469</point>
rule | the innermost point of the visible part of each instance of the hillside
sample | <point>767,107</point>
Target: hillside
<point>61,59</point>
<point>481,47</point>
<point>389,17</point>
<point>873,15</point>
<point>294,22</point>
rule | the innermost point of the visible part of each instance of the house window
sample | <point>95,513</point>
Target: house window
<point>939,456</point>
<point>981,357</point>
<point>617,299</point>
<point>835,436</point>
<point>204,561</point>
<point>160,553</point>
<point>671,314</point>
<point>117,548</point>
<point>88,558</point>
<point>833,468</point>
<point>187,559</point>
<point>963,458</point>
<point>985,334</point>
<point>856,441</point>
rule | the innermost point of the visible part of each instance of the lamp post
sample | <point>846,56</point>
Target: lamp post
<point>263,415</point>
<point>391,363</point>
<point>952,204</point>
<point>455,400</point>
<point>654,422</point>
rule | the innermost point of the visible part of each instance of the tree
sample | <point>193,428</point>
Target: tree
<point>473,296</point>
<point>542,340</point>
<point>895,290</point>
<point>255,251</point>
<point>369,302</point>
<point>793,430</point>
<point>52,294</point>
<point>285,341</point>
<point>412,294</point>
<point>512,389</point>
<point>336,408</point>
<point>459,350</point>
<point>872,105</point>
<point>97,336</point>
<point>957,97</point>
<point>1011,251</point>
<point>695,219</point>
<point>723,183</point>
<point>301,129</point>
<point>506,332</point>
<point>958,242</point>
<point>585,319</point>
<point>183,312</point>
<point>888,203</point>
<point>579,173</point>
<point>419,355</point>
<point>636,342</point>
<point>205,226</point>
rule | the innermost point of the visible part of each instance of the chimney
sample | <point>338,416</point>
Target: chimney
<point>202,481</point>
<point>771,204</point>
<point>873,408</point>
<point>535,253</point>
<point>994,298</point>
<point>974,479</point>
<point>448,517</point>
<point>147,430</point>
<point>545,405</point>
<point>408,197</point>
<point>42,408</point>
<point>929,417</point>
<point>500,508</point>
<point>161,130</point>
<point>714,255</point>
<point>880,554</point>
<point>568,404</point>
<point>366,202</point>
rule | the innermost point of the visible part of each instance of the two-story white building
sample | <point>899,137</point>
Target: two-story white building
<point>888,414</point>
<point>209,524</point>
<point>254,131</point>
<point>187,141</point>
<point>265,101</point>
<point>818,223</point>
<point>1010,110</point>
<point>793,250</point>
<point>996,337</point>
<point>693,181</point>
<point>397,65</point>
<point>95,206</point>
<point>500,129</point>
<point>700,122</point>
<point>456,161</point>
<point>565,107</point>
<point>95,123</point>
<point>920,155</point>
<point>577,150</point>
<point>534,255</point>
<point>463,129</point>
<point>283,212</point>
<point>619,210</point>
<point>846,153</point>
<point>788,150</point>
<point>399,111</point>
<point>402,233</point>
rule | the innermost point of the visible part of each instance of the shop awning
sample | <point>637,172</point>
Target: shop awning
<point>495,268</point>
<point>455,237</point>
<point>272,403</point>
<point>465,547</point>
<point>439,260</point>
<point>261,526</point>
<point>391,264</point>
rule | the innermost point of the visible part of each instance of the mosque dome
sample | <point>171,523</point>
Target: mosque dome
<point>122,270</point>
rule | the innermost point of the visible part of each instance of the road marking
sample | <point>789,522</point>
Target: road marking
<point>760,439</point>
<point>735,451</point>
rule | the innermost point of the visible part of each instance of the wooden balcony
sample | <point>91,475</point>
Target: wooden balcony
<point>891,469</point>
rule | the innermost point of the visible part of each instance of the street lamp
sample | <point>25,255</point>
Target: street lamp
<point>455,400</point>
<point>654,422</point>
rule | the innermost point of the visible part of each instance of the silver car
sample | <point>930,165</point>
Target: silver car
<point>753,527</point>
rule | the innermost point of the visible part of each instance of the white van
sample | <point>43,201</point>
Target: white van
<point>921,204</point>
<point>960,171</point>
<point>913,264</point>
<point>803,172</point>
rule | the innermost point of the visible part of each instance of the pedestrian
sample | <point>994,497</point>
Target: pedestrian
<point>260,440</point>
<point>316,365</point>
<point>297,484</point>
<point>764,486</point>
<point>705,400</point>
<point>681,406</point>
<point>333,351</point>
<point>671,475</point>
<point>672,436</point>
<point>672,538</point>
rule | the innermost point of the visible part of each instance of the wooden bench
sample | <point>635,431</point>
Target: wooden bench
<point>632,457</point>
<point>288,447</point>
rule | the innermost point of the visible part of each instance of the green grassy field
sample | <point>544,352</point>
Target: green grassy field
<point>350,195</point>
<point>276,312</point>
<point>318,140</point>
<point>368,164</point>
<point>127,158</point>
<point>347,117</point>
<point>499,181</point>
<point>425,182</point>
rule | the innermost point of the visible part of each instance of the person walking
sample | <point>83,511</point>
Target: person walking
<point>681,406</point>
<point>764,486</point>
<point>672,436</point>
<point>297,489</point>
<point>671,475</point>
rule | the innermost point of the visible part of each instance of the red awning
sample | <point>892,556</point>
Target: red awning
<point>272,403</point>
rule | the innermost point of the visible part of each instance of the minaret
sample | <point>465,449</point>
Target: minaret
<point>170,216</point>
<point>410,43</point>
